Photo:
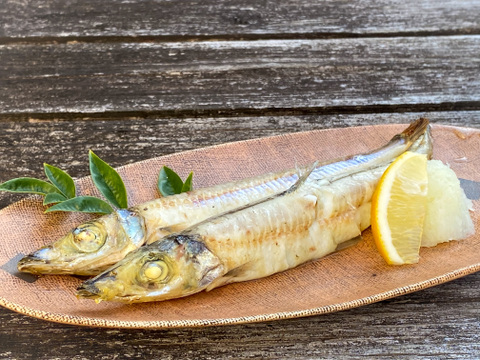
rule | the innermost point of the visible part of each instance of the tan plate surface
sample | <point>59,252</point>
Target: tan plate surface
<point>347,279</point>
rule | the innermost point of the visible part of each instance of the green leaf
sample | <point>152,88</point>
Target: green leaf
<point>28,185</point>
<point>169,183</point>
<point>187,185</point>
<point>107,180</point>
<point>86,204</point>
<point>53,198</point>
<point>61,180</point>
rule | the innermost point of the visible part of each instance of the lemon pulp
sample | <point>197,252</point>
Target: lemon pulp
<point>447,214</point>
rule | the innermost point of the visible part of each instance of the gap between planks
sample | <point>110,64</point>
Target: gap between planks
<point>44,40</point>
<point>245,112</point>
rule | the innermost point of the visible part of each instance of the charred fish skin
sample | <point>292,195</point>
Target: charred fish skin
<point>172,214</point>
<point>256,241</point>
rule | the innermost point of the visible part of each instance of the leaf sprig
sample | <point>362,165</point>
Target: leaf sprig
<point>170,183</point>
<point>60,191</point>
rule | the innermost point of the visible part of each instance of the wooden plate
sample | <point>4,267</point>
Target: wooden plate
<point>350,278</point>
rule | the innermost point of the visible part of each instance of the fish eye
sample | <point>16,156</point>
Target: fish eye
<point>88,238</point>
<point>155,270</point>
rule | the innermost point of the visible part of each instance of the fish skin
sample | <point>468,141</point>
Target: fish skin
<point>155,219</point>
<point>251,242</point>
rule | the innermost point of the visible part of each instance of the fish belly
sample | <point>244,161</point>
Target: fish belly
<point>292,229</point>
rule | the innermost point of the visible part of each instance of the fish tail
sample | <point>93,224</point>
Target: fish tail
<point>413,132</point>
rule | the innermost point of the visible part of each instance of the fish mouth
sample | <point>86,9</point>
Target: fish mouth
<point>32,264</point>
<point>88,291</point>
<point>100,288</point>
<point>43,261</point>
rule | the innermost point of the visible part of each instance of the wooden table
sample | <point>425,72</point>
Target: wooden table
<point>136,79</point>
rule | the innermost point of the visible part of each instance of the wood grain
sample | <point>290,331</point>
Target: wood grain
<point>59,60</point>
<point>439,323</point>
<point>245,18</point>
<point>171,78</point>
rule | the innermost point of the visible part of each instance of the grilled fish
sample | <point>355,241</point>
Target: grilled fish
<point>305,222</point>
<point>94,246</point>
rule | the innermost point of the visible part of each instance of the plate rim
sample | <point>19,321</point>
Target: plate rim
<point>80,320</point>
<point>167,324</point>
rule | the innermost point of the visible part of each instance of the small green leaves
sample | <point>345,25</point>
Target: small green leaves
<point>86,204</point>
<point>29,185</point>
<point>169,183</point>
<point>187,185</point>
<point>53,198</point>
<point>60,192</point>
<point>61,180</point>
<point>61,188</point>
<point>107,180</point>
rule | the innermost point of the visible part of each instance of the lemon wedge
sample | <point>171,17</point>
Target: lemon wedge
<point>399,208</point>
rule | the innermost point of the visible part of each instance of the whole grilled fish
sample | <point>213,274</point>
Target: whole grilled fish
<point>94,246</point>
<point>273,234</point>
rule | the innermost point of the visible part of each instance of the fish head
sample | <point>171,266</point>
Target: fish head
<point>176,266</point>
<point>89,248</point>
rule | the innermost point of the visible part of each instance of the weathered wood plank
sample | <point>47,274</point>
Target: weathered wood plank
<point>438,323</point>
<point>25,146</point>
<point>133,90</point>
<point>238,75</point>
<point>165,18</point>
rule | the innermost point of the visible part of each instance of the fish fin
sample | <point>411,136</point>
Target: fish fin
<point>349,243</point>
<point>235,272</point>
<point>230,276</point>
<point>303,175</point>
<point>221,281</point>
<point>176,228</point>
<point>165,231</point>
<point>424,144</point>
<point>211,277</point>
<point>417,128</point>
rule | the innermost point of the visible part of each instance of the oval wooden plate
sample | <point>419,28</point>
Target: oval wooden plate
<point>350,278</point>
